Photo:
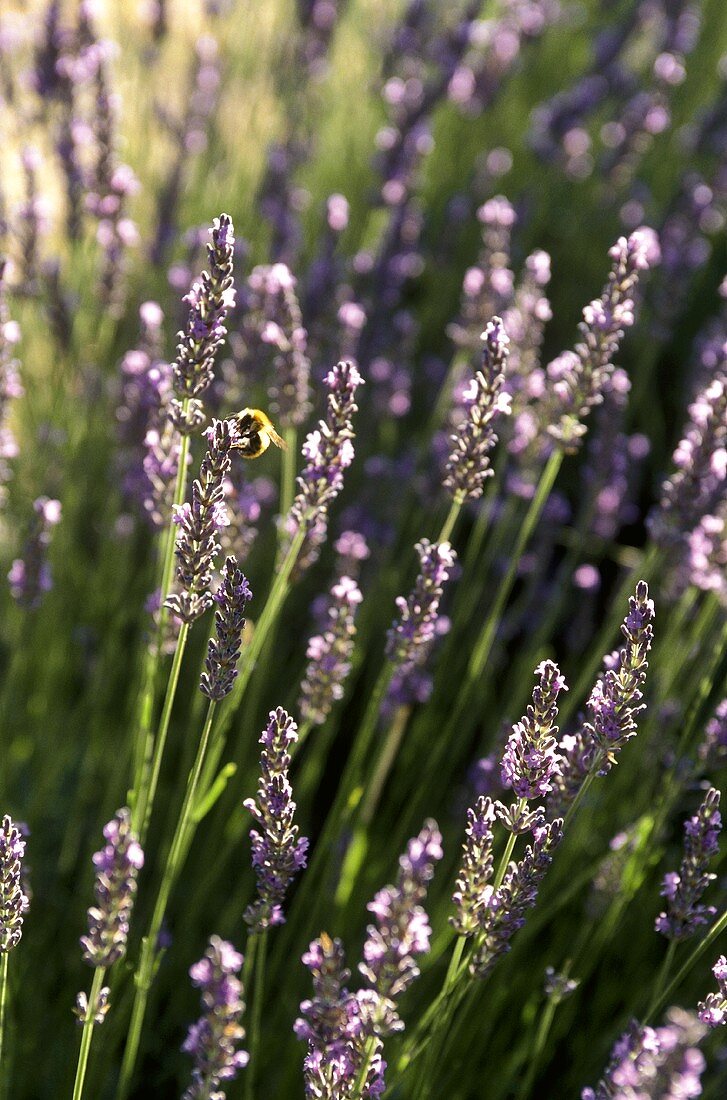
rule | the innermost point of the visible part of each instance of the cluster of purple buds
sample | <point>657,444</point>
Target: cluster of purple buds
<point>576,379</point>
<point>223,651</point>
<point>199,523</point>
<point>117,866</point>
<point>654,1063</point>
<point>472,888</point>
<point>468,465</point>
<point>209,301</point>
<point>695,493</point>
<point>213,1041</point>
<point>328,451</point>
<point>10,387</point>
<point>713,749</point>
<point>558,986</point>
<point>13,901</point>
<point>411,635</point>
<point>245,500</point>
<point>336,1024</point>
<point>317,19</point>
<point>278,853</point>
<point>329,653</point>
<point>402,931</point>
<point>273,325</point>
<point>30,576</point>
<point>614,705</point>
<point>684,888</point>
<point>487,289</point>
<point>531,759</point>
<point>525,320</point>
<point>501,912</point>
<point>31,223</point>
<point>712,1011</point>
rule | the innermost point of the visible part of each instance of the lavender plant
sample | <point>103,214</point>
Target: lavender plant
<point>395,175</point>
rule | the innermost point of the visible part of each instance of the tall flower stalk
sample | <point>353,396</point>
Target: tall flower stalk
<point>13,906</point>
<point>216,683</point>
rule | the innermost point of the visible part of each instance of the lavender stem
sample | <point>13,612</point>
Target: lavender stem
<point>260,940</point>
<point>717,928</point>
<point>175,859</point>
<point>3,1002</point>
<point>87,1034</point>
<point>287,481</point>
<point>451,520</point>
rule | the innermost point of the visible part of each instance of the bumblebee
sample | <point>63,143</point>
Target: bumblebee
<point>256,434</point>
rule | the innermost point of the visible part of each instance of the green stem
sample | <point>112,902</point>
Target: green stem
<point>541,1037</point>
<point>664,972</point>
<point>177,852</point>
<point>287,482</point>
<point>497,883</point>
<point>442,1018</point>
<point>143,724</point>
<point>369,1051</point>
<point>487,634</point>
<point>257,1008</point>
<point>450,521</point>
<point>87,1034</point>
<point>582,790</point>
<point>3,1003</point>
<point>717,928</point>
<point>145,796</point>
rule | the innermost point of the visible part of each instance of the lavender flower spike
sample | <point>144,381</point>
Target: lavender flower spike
<point>614,705</point>
<point>472,891</point>
<point>712,1010</point>
<point>209,301</point>
<point>223,651</point>
<point>662,1063</point>
<point>468,465</point>
<point>117,865</point>
<point>277,851</point>
<point>577,379</point>
<point>328,452</point>
<point>30,576</point>
<point>13,902</point>
<point>213,1040</point>
<point>531,757</point>
<point>503,910</point>
<point>336,1025</point>
<point>684,888</point>
<point>402,928</point>
<point>411,635</point>
<point>199,523</point>
<point>329,654</point>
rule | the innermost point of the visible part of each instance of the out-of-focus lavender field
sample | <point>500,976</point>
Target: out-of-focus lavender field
<point>363,527</point>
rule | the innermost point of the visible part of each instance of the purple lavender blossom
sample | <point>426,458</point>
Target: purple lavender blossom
<point>487,289</point>
<point>713,749</point>
<point>328,451</point>
<point>10,386</point>
<point>576,379</point>
<point>662,1063</point>
<point>411,635</point>
<point>214,1039</point>
<point>275,338</point>
<point>277,851</point>
<point>223,651</point>
<point>503,911</point>
<point>472,892</point>
<point>468,465</point>
<point>614,706</point>
<point>531,756</point>
<point>30,577</point>
<point>335,1024</point>
<point>209,301</point>
<point>712,1011</point>
<point>697,487</point>
<point>329,653</point>
<point>198,522</point>
<point>402,928</point>
<point>117,865</point>
<point>13,900</point>
<point>683,889</point>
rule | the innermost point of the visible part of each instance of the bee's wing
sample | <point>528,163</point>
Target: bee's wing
<point>275,438</point>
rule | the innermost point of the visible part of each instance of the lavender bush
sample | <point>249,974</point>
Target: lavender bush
<point>474,594</point>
